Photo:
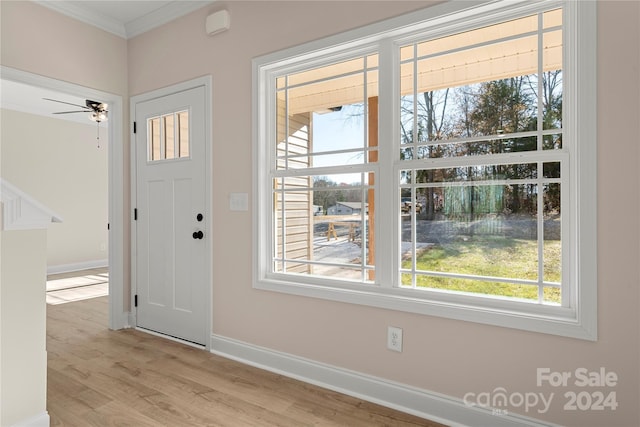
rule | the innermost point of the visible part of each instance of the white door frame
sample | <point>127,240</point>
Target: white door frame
<point>117,316</point>
<point>207,82</point>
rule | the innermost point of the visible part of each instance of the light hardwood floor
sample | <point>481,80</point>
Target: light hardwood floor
<point>98,377</point>
<point>77,285</point>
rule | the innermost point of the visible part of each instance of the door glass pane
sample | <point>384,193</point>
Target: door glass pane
<point>183,132</point>
<point>168,136</point>
<point>154,138</point>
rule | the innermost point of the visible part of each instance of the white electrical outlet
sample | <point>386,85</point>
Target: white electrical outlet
<point>394,339</point>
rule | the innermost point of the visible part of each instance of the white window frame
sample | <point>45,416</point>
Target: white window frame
<point>577,317</point>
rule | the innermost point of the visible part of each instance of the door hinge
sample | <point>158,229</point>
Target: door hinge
<point>108,226</point>
<point>135,214</point>
<point>135,300</point>
<point>134,127</point>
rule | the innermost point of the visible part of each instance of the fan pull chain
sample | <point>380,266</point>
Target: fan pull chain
<point>98,134</point>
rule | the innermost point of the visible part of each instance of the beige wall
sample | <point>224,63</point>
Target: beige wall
<point>23,357</point>
<point>59,164</point>
<point>38,40</point>
<point>41,41</point>
<point>446,356</point>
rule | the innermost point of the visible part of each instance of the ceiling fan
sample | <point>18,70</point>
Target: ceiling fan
<point>98,112</point>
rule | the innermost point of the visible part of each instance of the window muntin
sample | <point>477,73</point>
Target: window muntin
<point>564,154</point>
<point>483,228</point>
<point>168,136</point>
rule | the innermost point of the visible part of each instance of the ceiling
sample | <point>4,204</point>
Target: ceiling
<point>30,99</point>
<point>123,18</point>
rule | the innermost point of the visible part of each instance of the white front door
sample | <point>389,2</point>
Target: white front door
<point>171,223</point>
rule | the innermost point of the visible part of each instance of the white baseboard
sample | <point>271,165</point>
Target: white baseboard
<point>119,320</point>
<point>77,266</point>
<point>422,403</point>
<point>40,420</point>
<point>131,318</point>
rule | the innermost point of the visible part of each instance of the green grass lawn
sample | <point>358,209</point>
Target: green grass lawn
<point>492,257</point>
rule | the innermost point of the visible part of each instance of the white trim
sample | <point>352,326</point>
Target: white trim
<point>578,318</point>
<point>170,338</point>
<point>20,211</point>
<point>412,400</point>
<point>584,170</point>
<point>117,315</point>
<point>126,30</point>
<point>207,83</point>
<point>77,266</point>
<point>161,16</point>
<point>40,420</point>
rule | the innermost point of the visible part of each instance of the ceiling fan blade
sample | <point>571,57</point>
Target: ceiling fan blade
<point>63,102</point>
<point>67,112</point>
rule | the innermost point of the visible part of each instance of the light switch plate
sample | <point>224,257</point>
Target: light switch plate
<point>239,201</point>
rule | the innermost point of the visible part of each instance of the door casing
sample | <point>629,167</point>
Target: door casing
<point>207,82</point>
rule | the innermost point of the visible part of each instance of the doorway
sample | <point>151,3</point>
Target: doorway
<point>118,318</point>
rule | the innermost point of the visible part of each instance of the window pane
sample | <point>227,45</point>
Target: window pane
<point>551,170</point>
<point>321,73</point>
<point>486,231</point>
<point>183,129</point>
<point>407,105</point>
<point>552,295</point>
<point>552,18</point>
<point>293,152</point>
<point>153,136</point>
<point>169,136</point>
<point>552,236</point>
<point>326,226</point>
<point>341,128</point>
<point>484,287</point>
<point>552,80</point>
<point>480,36</point>
<point>322,115</point>
<point>552,142</point>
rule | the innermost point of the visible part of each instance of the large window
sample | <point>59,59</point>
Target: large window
<point>441,165</point>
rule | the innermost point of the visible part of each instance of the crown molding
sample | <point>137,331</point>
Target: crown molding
<point>130,29</point>
<point>161,16</point>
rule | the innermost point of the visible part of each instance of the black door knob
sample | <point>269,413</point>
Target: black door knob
<point>198,234</point>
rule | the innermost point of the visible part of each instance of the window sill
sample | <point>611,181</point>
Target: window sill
<point>526,316</point>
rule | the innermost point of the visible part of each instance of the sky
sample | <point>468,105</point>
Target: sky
<point>339,130</point>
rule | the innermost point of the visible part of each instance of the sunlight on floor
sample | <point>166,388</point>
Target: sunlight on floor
<point>81,285</point>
